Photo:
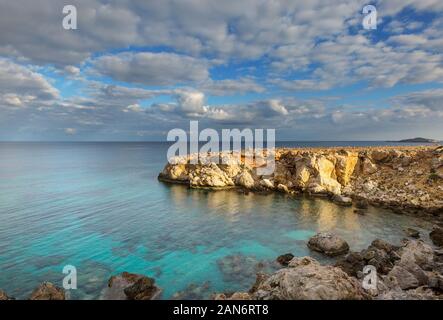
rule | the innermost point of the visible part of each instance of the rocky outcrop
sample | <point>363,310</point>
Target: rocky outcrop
<point>4,296</point>
<point>404,178</point>
<point>329,244</point>
<point>130,286</point>
<point>306,279</point>
<point>48,291</point>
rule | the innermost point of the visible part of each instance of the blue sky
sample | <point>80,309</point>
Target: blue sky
<point>133,70</point>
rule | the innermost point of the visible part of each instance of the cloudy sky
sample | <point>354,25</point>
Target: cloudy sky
<point>135,69</point>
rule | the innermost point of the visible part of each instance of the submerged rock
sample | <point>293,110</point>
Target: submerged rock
<point>48,291</point>
<point>306,279</point>
<point>4,296</point>
<point>194,292</point>
<point>413,233</point>
<point>362,204</point>
<point>328,243</point>
<point>233,296</point>
<point>131,286</point>
<point>342,200</point>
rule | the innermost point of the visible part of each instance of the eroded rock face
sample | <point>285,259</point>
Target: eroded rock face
<point>48,291</point>
<point>306,279</point>
<point>131,286</point>
<point>328,243</point>
<point>400,177</point>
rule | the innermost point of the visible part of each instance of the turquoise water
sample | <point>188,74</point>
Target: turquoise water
<point>100,207</point>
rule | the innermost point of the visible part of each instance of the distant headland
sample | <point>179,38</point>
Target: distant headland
<point>418,140</point>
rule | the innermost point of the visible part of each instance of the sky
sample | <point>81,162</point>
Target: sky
<point>133,70</point>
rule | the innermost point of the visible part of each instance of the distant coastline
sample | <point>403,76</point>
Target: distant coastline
<point>417,140</point>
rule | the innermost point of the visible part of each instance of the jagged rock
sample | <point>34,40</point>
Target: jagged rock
<point>142,289</point>
<point>417,252</point>
<point>4,296</point>
<point>345,166</point>
<point>328,243</point>
<point>131,286</point>
<point>47,291</point>
<point>284,259</point>
<point>282,188</point>
<point>413,233</point>
<point>210,176</point>
<point>267,183</point>
<point>352,263</point>
<point>384,176</point>
<point>306,279</point>
<point>403,278</point>
<point>245,179</point>
<point>436,236</point>
<point>342,200</point>
<point>367,167</point>
<point>379,254</point>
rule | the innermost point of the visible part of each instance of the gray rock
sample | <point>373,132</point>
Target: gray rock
<point>306,279</point>
<point>342,200</point>
<point>328,243</point>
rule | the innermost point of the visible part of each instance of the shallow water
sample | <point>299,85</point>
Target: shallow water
<point>100,207</point>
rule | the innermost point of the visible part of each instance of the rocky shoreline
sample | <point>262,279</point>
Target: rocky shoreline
<point>404,179</point>
<point>412,270</point>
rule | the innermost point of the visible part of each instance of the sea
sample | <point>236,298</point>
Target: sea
<point>99,207</point>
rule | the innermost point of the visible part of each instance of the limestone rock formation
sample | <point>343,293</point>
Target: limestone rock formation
<point>402,178</point>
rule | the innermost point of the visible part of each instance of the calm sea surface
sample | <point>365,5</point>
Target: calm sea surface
<point>100,207</point>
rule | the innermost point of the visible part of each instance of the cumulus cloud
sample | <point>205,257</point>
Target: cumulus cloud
<point>18,81</point>
<point>152,68</point>
<point>141,67</point>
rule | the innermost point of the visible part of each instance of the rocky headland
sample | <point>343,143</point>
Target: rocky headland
<point>401,178</point>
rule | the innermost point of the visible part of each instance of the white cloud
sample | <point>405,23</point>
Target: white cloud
<point>152,68</point>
